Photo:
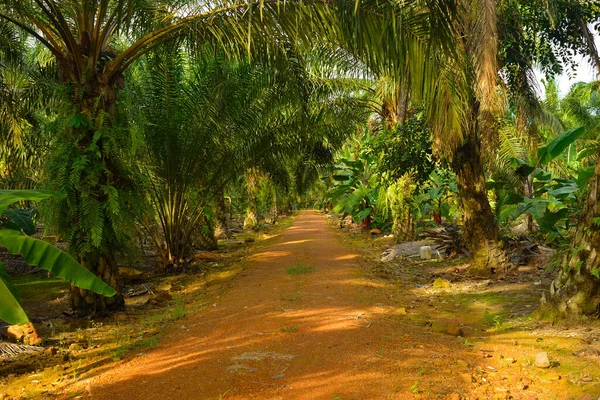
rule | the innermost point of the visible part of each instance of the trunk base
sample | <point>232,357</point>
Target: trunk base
<point>221,230</point>
<point>86,303</point>
<point>404,230</point>
<point>251,221</point>
<point>489,260</point>
<point>573,294</point>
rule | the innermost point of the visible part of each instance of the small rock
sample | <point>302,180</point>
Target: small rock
<point>164,287</point>
<point>24,333</point>
<point>425,252</point>
<point>74,347</point>
<point>161,298</point>
<point>542,360</point>
<point>375,232</point>
<point>182,327</point>
<point>130,274</point>
<point>440,283</point>
<point>280,376</point>
<point>449,326</point>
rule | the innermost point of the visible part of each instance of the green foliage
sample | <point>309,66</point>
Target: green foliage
<point>552,202</point>
<point>299,269</point>
<point>90,167</point>
<point>289,329</point>
<point>438,197</point>
<point>405,149</point>
<point>355,187</point>
<point>41,254</point>
<point>557,146</point>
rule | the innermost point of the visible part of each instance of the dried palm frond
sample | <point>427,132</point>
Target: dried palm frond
<point>448,239</point>
<point>12,350</point>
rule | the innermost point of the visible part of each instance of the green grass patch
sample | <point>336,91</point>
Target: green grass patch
<point>289,329</point>
<point>299,269</point>
<point>40,287</point>
<point>497,321</point>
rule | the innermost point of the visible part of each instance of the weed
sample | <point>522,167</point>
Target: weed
<point>290,297</point>
<point>149,342</point>
<point>289,329</point>
<point>179,310</point>
<point>118,353</point>
<point>76,370</point>
<point>299,269</point>
<point>495,321</point>
<point>80,335</point>
<point>74,394</point>
<point>414,388</point>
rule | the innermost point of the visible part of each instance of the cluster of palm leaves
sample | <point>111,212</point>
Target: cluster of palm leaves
<point>207,120</point>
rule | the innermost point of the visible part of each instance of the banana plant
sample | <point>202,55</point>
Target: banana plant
<point>549,200</point>
<point>14,230</point>
<point>355,189</point>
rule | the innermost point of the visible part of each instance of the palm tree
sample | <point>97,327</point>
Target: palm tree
<point>85,39</point>
<point>26,96</point>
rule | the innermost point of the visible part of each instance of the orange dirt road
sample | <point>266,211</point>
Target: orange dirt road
<point>330,334</point>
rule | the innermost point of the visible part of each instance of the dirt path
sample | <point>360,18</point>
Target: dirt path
<point>326,334</point>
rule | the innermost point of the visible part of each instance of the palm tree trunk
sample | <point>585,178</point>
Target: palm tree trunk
<point>480,231</point>
<point>274,210</point>
<point>221,228</point>
<point>85,302</point>
<point>89,173</point>
<point>403,228</point>
<point>576,289</point>
<point>251,219</point>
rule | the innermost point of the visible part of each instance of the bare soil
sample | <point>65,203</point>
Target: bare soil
<point>315,315</point>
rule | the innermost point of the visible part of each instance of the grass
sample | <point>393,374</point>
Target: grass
<point>40,287</point>
<point>299,269</point>
<point>289,329</point>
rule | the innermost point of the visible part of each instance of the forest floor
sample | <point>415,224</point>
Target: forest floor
<point>311,313</point>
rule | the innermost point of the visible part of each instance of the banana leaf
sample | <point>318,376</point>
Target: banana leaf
<point>558,145</point>
<point>43,255</point>
<point>20,219</point>
<point>10,309</point>
<point>8,197</point>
